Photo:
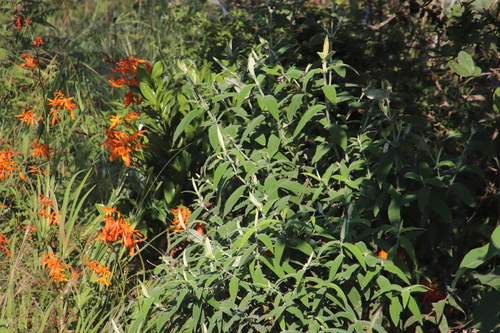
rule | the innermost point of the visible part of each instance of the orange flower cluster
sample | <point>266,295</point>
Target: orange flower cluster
<point>7,164</point>
<point>119,230</point>
<point>28,117</point>
<point>56,267</point>
<point>434,293</point>
<point>128,70</point>
<point>29,61</point>
<point>47,205</point>
<point>41,149</point>
<point>59,103</point>
<point>38,41</point>
<point>4,241</point>
<point>101,270</point>
<point>37,172</point>
<point>119,142</point>
<point>382,254</point>
<point>180,223</point>
<point>20,21</point>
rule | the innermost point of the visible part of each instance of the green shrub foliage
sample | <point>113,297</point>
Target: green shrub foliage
<point>302,165</point>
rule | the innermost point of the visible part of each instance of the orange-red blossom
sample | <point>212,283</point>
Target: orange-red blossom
<point>128,69</point>
<point>7,164</point>
<point>47,204</point>
<point>119,230</point>
<point>180,223</point>
<point>55,267</point>
<point>122,144</point>
<point>20,21</point>
<point>59,103</point>
<point>4,241</point>
<point>30,61</point>
<point>38,41</point>
<point>41,149</point>
<point>28,117</point>
<point>101,270</point>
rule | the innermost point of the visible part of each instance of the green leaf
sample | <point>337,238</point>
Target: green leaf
<point>395,310</point>
<point>396,270</point>
<point>294,106</point>
<point>423,197</point>
<point>311,112</point>
<point>301,245</point>
<point>463,64</point>
<point>357,253</point>
<point>250,127</point>
<point>425,170</point>
<point>334,267</point>
<point>339,135</point>
<point>496,100</point>
<point>273,144</point>
<point>491,279</point>
<point>185,122</point>
<point>440,207</point>
<point>434,182</point>
<point>405,242</point>
<point>148,92</point>
<point>394,213</point>
<point>415,310</point>
<point>330,93</point>
<point>157,70</point>
<point>463,193</point>
<point>271,104</point>
<point>385,165</point>
<point>219,172</point>
<point>266,240</point>
<point>233,198</point>
<point>475,257</point>
<point>243,94</point>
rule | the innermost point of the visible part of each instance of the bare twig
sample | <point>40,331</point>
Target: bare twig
<point>381,24</point>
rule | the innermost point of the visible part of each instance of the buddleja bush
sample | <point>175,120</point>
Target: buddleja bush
<point>280,197</point>
<point>299,178</point>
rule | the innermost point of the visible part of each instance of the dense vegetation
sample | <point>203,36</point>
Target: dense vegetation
<point>263,167</point>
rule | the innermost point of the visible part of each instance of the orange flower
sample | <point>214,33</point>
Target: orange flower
<point>37,171</point>
<point>60,102</point>
<point>20,20</point>
<point>38,41</point>
<point>4,241</point>
<point>181,215</point>
<point>122,144</point>
<point>7,164</point>
<point>119,230</point>
<point>128,67</point>
<point>130,98</point>
<point>180,223</point>
<point>382,254</point>
<point>47,204</point>
<point>117,83</point>
<point>28,117</point>
<point>55,267</point>
<point>115,121</point>
<point>99,269</point>
<point>41,149</point>
<point>30,61</point>
<point>132,115</point>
